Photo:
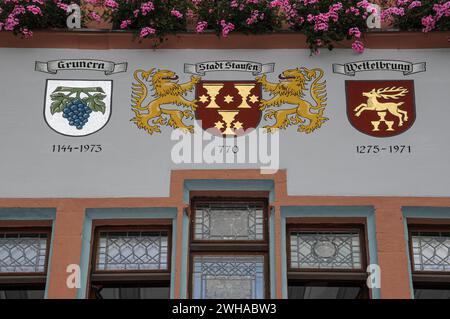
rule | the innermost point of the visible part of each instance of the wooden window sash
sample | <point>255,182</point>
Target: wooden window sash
<point>28,277</point>
<point>424,276</point>
<point>131,273</point>
<point>200,247</point>
<point>329,273</point>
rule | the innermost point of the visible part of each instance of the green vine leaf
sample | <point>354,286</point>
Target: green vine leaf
<point>59,102</point>
<point>58,89</point>
<point>95,102</point>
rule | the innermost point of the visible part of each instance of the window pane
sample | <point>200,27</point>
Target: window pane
<point>227,277</point>
<point>432,293</point>
<point>324,291</point>
<point>229,222</point>
<point>134,293</point>
<point>22,252</point>
<point>18,293</point>
<point>132,251</point>
<point>431,252</point>
<point>325,250</point>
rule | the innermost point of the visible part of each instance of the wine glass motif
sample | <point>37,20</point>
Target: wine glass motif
<point>228,118</point>
<point>244,92</point>
<point>213,91</point>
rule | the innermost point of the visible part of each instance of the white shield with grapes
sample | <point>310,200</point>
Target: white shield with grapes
<point>77,107</point>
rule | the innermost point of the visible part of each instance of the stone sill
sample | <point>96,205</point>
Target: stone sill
<point>107,39</point>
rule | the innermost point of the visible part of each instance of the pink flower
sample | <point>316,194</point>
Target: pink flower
<point>111,4</point>
<point>352,10</point>
<point>321,26</point>
<point>429,23</point>
<point>354,31</point>
<point>146,31</point>
<point>124,24</point>
<point>26,33</point>
<point>392,11</point>
<point>10,23</point>
<point>176,13</point>
<point>363,4</point>
<point>253,18</point>
<point>34,10</point>
<point>275,3</point>
<point>146,8</point>
<point>358,47</point>
<point>226,28</point>
<point>442,10</point>
<point>414,4</point>
<point>62,6</point>
<point>94,16</point>
<point>201,26</point>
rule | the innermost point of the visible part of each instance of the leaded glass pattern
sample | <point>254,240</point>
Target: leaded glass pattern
<point>431,251</point>
<point>229,222</point>
<point>22,252</point>
<point>228,277</point>
<point>132,250</point>
<point>325,250</point>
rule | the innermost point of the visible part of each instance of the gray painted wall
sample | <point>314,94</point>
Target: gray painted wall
<point>135,164</point>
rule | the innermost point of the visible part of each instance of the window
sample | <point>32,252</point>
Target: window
<point>23,262</point>
<point>326,262</point>
<point>131,263</point>
<point>430,258</point>
<point>229,246</point>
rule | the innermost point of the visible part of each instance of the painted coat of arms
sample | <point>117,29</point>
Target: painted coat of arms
<point>77,107</point>
<point>381,108</point>
<point>229,108</point>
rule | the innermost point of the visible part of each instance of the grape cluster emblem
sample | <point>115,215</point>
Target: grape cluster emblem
<point>77,104</point>
<point>77,107</point>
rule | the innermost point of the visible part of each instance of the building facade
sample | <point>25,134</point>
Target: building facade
<point>340,190</point>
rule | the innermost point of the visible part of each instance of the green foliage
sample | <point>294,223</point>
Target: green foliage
<point>250,17</point>
<point>50,14</point>
<point>93,98</point>
<point>326,22</point>
<point>425,15</point>
<point>161,18</point>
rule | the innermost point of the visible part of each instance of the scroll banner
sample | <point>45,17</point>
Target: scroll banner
<point>352,68</point>
<point>92,65</point>
<point>240,66</point>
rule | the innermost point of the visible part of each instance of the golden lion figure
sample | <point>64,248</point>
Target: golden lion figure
<point>166,91</point>
<point>290,90</point>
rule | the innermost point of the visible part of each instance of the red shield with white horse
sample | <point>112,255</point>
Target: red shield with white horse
<point>381,108</point>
